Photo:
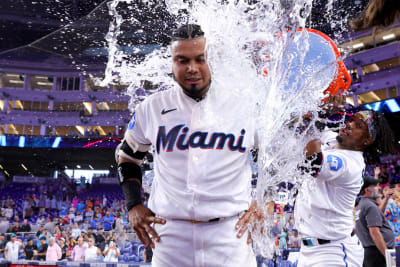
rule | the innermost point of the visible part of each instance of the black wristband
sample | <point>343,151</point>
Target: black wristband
<point>132,192</point>
<point>127,170</point>
<point>131,188</point>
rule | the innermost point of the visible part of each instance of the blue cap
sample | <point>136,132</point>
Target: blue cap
<point>13,235</point>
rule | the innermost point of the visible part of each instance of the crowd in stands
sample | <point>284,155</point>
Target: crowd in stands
<point>52,222</point>
<point>67,221</point>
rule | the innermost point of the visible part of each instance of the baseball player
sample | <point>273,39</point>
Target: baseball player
<point>202,172</point>
<point>324,214</point>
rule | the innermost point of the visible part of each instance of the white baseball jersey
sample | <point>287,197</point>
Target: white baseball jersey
<point>325,211</point>
<point>201,167</point>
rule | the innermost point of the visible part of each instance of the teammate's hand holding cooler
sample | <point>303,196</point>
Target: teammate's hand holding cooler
<point>202,173</point>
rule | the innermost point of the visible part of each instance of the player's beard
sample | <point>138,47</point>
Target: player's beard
<point>193,92</point>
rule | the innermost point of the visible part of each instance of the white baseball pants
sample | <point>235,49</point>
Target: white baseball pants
<point>343,253</point>
<point>207,244</point>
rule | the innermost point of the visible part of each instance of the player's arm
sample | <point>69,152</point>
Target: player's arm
<point>377,237</point>
<point>129,158</point>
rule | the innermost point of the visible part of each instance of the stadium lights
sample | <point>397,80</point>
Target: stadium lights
<point>12,75</point>
<point>6,172</point>
<point>3,140</point>
<point>1,167</point>
<point>23,166</point>
<point>359,45</point>
<point>388,36</point>
<point>44,83</point>
<point>376,106</point>
<point>393,106</point>
<point>16,81</point>
<point>78,166</point>
<point>56,142</point>
<point>90,166</point>
<point>21,142</point>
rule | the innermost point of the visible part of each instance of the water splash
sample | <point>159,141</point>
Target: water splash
<point>262,65</point>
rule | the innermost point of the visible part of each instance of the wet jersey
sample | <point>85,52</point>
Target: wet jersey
<point>325,210</point>
<point>201,166</point>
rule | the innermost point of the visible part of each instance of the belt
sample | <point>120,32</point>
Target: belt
<point>312,241</point>
<point>207,221</point>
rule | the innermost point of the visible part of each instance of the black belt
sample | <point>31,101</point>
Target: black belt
<point>310,242</point>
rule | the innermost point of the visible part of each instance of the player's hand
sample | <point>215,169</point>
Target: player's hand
<point>335,104</point>
<point>140,218</point>
<point>253,215</point>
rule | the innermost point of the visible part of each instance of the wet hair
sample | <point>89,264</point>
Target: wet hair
<point>378,13</point>
<point>383,144</point>
<point>187,32</point>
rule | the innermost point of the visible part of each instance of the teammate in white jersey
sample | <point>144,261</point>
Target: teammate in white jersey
<point>324,213</point>
<point>201,168</point>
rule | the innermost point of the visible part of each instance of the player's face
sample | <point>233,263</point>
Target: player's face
<point>355,136</point>
<point>190,67</point>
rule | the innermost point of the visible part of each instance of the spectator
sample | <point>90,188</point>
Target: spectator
<point>12,248</point>
<point>64,248</point>
<point>17,227</point>
<point>89,213</point>
<point>71,214</point>
<point>80,207</point>
<point>3,242</point>
<point>89,204</point>
<point>70,243</point>
<point>76,231</point>
<point>9,213</point>
<point>42,250</point>
<point>95,223</point>
<point>372,228</point>
<point>107,221</point>
<point>57,232</point>
<point>92,253</point>
<point>30,249</point>
<point>78,218</point>
<point>85,225</point>
<point>53,203</point>
<point>283,239</point>
<point>75,202</point>
<point>53,251</point>
<point>100,239</point>
<point>119,223</point>
<point>392,215</point>
<point>11,229</point>
<point>25,203</point>
<point>121,239</point>
<point>41,220</point>
<point>28,212</point>
<point>47,204</point>
<point>25,227</point>
<point>65,220</point>
<point>78,253</point>
<point>294,239</point>
<point>4,224</point>
<point>49,226</point>
<point>104,203</point>
<point>111,252</point>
